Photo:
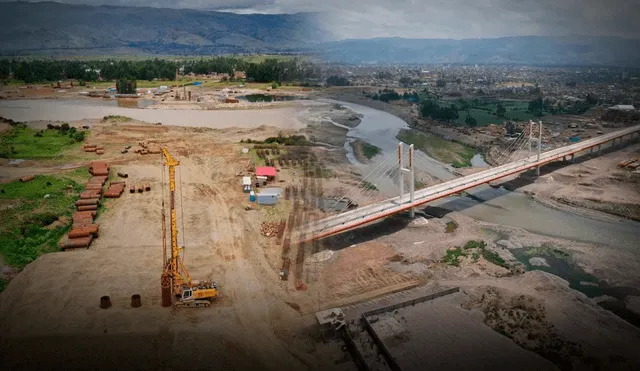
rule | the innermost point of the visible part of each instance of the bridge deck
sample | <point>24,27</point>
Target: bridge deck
<point>367,214</point>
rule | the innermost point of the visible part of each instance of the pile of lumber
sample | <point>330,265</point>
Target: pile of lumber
<point>269,229</point>
<point>115,190</point>
<point>82,232</point>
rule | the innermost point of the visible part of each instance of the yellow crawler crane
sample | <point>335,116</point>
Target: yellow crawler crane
<point>175,277</point>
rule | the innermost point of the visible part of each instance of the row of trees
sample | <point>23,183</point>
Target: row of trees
<point>431,108</point>
<point>31,71</point>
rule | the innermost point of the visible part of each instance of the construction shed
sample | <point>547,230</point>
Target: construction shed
<point>268,196</point>
<point>246,183</point>
<point>268,171</point>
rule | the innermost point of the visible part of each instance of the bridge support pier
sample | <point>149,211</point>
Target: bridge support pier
<point>412,178</point>
<point>599,149</point>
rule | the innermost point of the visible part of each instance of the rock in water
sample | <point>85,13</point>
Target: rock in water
<point>538,262</point>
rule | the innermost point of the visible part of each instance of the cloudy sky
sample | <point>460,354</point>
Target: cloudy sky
<point>437,18</point>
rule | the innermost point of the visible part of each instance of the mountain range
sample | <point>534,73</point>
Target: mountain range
<point>49,28</point>
<point>62,29</point>
<point>523,50</point>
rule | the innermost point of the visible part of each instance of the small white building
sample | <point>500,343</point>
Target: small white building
<point>246,183</point>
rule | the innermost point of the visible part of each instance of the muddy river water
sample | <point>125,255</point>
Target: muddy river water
<point>380,129</point>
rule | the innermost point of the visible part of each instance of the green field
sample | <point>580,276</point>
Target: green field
<point>25,222</point>
<point>443,150</point>
<point>484,111</point>
<point>26,143</point>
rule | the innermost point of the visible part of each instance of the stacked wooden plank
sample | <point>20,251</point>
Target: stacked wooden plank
<point>115,190</point>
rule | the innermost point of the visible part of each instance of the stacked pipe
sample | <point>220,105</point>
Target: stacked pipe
<point>83,230</point>
<point>99,168</point>
<point>115,190</point>
<point>89,147</point>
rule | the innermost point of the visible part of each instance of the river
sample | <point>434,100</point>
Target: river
<point>489,204</point>
<point>92,108</point>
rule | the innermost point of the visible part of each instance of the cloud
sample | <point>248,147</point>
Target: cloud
<point>436,18</point>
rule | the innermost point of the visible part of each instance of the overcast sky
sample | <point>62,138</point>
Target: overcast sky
<point>437,18</point>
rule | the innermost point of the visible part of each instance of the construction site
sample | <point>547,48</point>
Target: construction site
<point>182,252</point>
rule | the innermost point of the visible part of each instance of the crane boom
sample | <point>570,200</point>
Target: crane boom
<point>174,268</point>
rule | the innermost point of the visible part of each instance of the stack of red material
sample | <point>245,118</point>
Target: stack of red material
<point>83,230</point>
<point>99,168</point>
<point>89,147</point>
<point>115,190</point>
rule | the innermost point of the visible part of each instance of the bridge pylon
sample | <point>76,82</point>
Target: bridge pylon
<point>412,179</point>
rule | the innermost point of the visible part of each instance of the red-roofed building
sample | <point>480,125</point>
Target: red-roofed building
<point>268,171</point>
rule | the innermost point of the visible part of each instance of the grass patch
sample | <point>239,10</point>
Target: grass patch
<point>24,234</point>
<point>368,186</point>
<point>443,150</point>
<point>369,150</point>
<point>117,119</point>
<point>477,249</point>
<point>453,255</point>
<point>451,227</point>
<point>494,258</point>
<point>548,251</point>
<point>26,143</point>
<point>475,245</point>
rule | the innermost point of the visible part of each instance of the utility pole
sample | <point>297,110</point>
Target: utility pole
<point>400,173</point>
<point>539,146</point>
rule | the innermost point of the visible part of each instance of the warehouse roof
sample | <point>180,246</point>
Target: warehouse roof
<point>266,171</point>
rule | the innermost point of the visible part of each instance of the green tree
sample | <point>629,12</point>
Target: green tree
<point>335,80</point>
<point>470,121</point>
<point>441,83</point>
<point>536,107</point>
<point>500,110</point>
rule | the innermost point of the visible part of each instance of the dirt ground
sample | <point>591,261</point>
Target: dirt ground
<point>597,183</point>
<point>59,293</point>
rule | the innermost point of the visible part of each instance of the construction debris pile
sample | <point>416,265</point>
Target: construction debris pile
<point>269,229</point>
<point>632,163</point>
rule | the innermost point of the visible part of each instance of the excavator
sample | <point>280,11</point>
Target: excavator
<point>175,277</point>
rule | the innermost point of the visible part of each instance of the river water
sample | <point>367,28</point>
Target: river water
<point>80,109</point>
<point>489,204</point>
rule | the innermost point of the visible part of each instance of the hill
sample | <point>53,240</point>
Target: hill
<point>529,50</point>
<point>62,29</point>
